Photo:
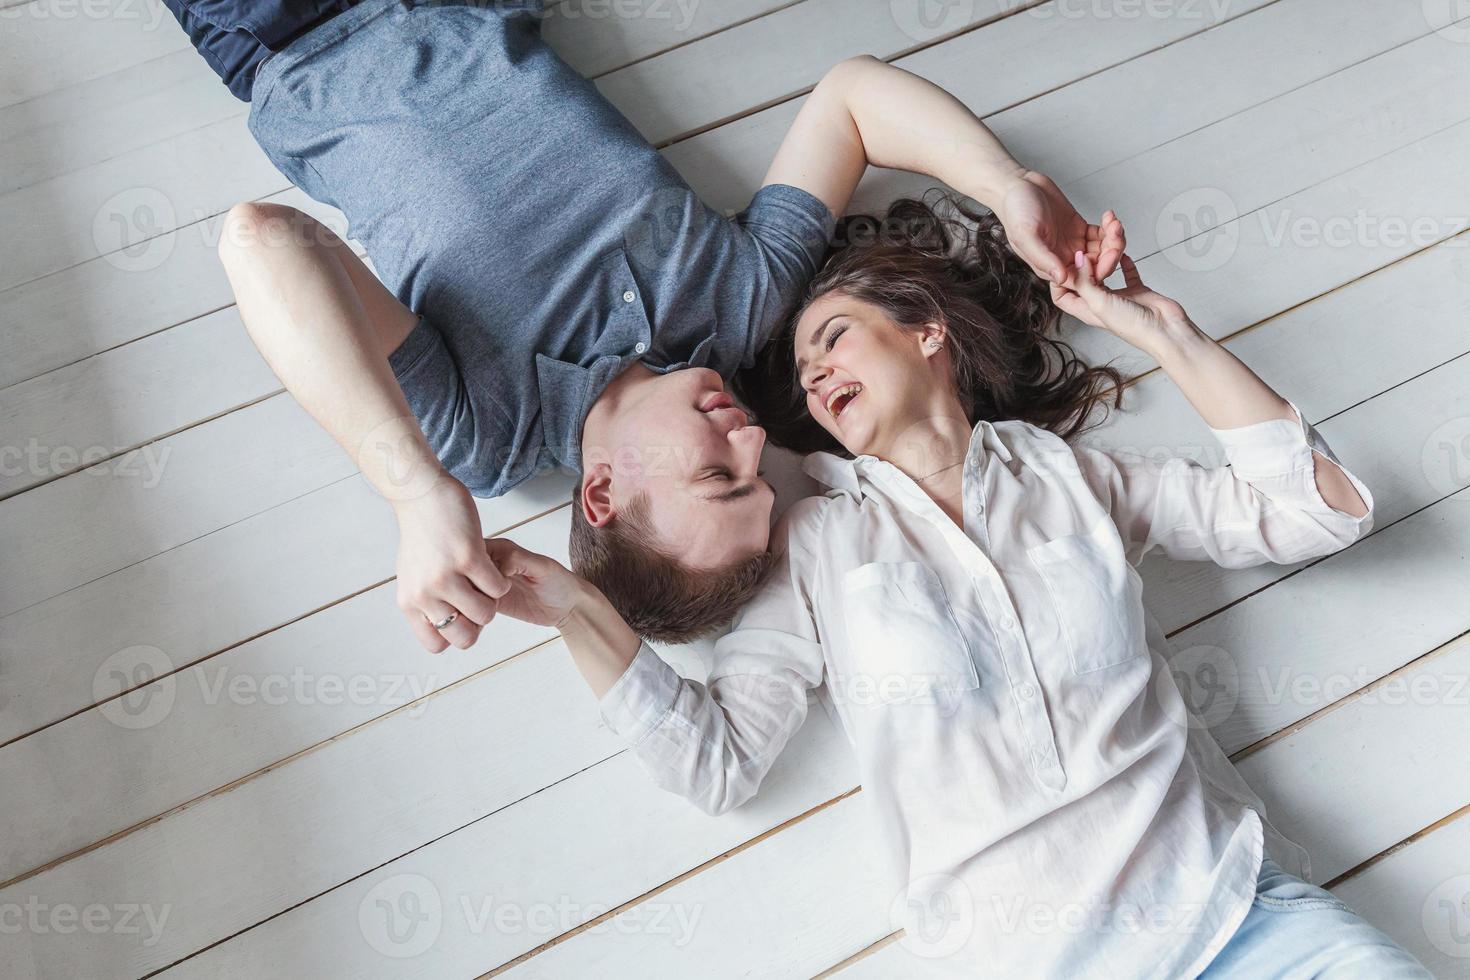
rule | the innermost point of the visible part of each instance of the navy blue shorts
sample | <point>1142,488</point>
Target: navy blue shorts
<point>235,36</point>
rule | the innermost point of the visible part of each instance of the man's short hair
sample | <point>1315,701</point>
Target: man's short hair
<point>660,598</point>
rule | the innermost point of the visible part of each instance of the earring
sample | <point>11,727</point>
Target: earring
<point>935,344</point>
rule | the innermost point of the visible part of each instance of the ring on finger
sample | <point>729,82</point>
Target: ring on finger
<point>443,623</point>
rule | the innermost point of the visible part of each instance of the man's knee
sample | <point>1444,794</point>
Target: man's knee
<point>252,224</point>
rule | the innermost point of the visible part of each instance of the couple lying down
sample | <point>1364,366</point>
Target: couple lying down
<point>549,293</point>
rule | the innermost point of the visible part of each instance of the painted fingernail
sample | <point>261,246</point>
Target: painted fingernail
<point>1079,259</point>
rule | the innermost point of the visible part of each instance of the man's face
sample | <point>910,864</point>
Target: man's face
<point>684,443</point>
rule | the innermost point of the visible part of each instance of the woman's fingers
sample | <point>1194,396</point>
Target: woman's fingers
<point>1073,305</point>
<point>1130,274</point>
<point>1110,248</point>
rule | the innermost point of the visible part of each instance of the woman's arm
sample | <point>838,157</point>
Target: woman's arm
<point>1225,392</point>
<point>865,111</point>
<point>326,326</point>
<point>710,743</point>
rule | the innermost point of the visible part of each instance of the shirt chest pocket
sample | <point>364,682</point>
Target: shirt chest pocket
<point>906,644</point>
<point>1098,597</point>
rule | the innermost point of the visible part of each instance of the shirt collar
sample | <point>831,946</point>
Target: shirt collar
<point>850,475</point>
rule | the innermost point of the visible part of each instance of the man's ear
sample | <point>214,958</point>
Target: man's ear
<point>595,498</point>
<point>932,339</point>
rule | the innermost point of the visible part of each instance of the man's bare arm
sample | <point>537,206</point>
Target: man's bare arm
<point>326,326</point>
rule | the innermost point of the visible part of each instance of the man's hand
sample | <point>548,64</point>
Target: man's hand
<point>1046,231</point>
<point>443,568</point>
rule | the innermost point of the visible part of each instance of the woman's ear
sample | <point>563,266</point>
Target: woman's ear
<point>595,498</point>
<point>932,339</point>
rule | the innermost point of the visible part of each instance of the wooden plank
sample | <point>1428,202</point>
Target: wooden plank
<point>82,125</point>
<point>500,899</point>
<point>279,694</point>
<point>694,87</point>
<point>1204,76</point>
<point>1418,896</point>
<point>50,44</point>
<point>98,305</point>
<point>276,566</point>
<point>1357,752</point>
<point>107,405</point>
<point>476,748</point>
<point>598,36</point>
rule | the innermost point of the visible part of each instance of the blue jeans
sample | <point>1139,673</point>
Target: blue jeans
<point>1296,930</point>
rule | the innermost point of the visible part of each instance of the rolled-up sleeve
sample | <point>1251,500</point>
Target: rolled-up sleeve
<point>1264,506</point>
<point>714,743</point>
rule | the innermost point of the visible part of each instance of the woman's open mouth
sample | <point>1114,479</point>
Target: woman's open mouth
<point>840,398</point>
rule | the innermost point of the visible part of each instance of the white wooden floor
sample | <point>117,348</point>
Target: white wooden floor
<point>222,754</point>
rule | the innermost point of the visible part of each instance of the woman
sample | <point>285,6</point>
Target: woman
<point>966,590</point>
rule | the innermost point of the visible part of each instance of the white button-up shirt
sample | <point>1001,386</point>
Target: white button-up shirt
<point>1049,807</point>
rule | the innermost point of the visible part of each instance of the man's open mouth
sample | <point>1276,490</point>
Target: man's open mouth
<point>840,398</point>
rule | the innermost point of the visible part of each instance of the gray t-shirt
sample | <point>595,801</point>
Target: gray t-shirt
<point>544,243</point>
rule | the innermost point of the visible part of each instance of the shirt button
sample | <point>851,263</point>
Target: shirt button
<point>639,347</point>
<point>1008,623</point>
<point>628,296</point>
<point>1027,692</point>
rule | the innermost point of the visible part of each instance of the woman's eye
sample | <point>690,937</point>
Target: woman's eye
<point>832,337</point>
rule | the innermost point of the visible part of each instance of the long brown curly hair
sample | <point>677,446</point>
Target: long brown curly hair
<point>943,263</point>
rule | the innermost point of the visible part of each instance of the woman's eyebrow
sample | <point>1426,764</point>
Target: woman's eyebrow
<point>816,339</point>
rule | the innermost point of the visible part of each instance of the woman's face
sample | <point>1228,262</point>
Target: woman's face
<point>867,380</point>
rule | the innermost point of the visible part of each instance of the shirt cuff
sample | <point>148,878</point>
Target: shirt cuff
<point>642,698</point>
<point>1276,457</point>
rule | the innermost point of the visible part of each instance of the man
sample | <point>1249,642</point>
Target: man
<point>552,294</point>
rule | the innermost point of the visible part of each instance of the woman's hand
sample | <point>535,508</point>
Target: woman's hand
<point>443,569</point>
<point>1135,313</point>
<point>541,590</point>
<point>1046,231</point>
